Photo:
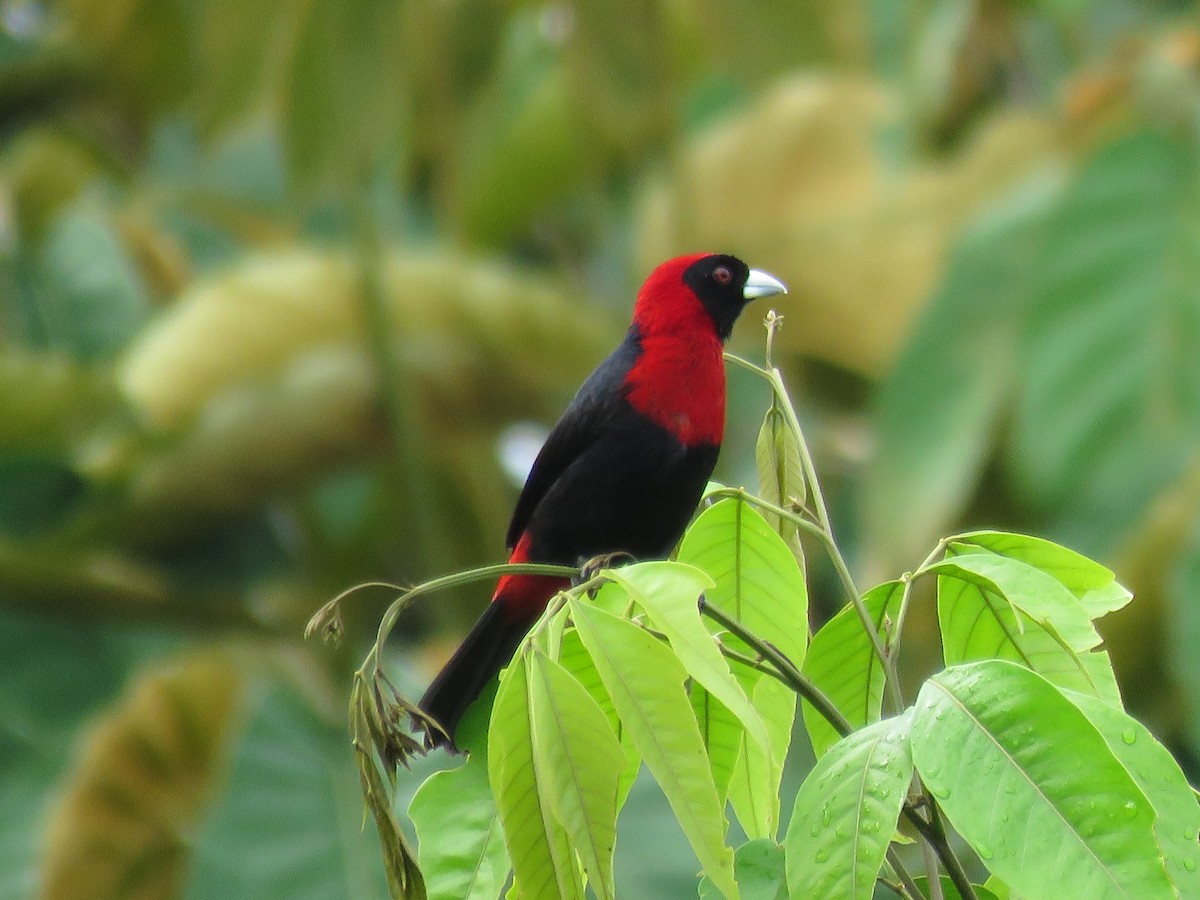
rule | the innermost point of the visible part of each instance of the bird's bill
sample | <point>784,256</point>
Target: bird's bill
<point>760,284</point>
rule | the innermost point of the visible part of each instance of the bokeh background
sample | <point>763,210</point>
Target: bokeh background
<point>289,287</point>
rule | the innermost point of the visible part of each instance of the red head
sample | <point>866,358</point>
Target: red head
<point>702,291</point>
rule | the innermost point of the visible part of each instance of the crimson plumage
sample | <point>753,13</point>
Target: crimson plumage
<point>626,464</point>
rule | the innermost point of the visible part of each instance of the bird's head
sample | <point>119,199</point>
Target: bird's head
<point>703,289</point>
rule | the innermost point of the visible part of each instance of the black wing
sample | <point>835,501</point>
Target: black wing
<point>584,420</point>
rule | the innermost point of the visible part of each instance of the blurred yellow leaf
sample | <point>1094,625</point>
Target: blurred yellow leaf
<point>256,439</point>
<point>252,323</point>
<point>798,186</point>
<point>123,825</point>
<point>261,378</point>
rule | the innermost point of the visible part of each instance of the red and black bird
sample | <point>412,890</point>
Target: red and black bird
<point>624,468</point>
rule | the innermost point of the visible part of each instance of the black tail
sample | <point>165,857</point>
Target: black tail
<point>485,651</point>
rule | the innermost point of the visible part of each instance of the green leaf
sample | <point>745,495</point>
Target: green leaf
<point>42,708</point>
<point>950,892</point>
<point>936,414</point>
<point>542,860</point>
<point>139,55</point>
<point>92,298</point>
<point>645,682</point>
<point>579,760</point>
<point>1101,676</point>
<point>721,733</point>
<point>754,788</point>
<point>1031,785</point>
<point>291,785</point>
<point>461,844</point>
<point>1110,408</point>
<point>841,662</point>
<point>977,623</point>
<point>759,868</point>
<point>780,472</point>
<point>1151,765</point>
<point>670,593</point>
<point>1032,591</point>
<point>573,657</point>
<point>38,493</point>
<point>846,811</point>
<point>234,59</point>
<point>527,143</point>
<point>341,108</point>
<point>1094,585</point>
<point>758,580</point>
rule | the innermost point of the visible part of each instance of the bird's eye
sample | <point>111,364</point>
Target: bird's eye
<point>722,275</point>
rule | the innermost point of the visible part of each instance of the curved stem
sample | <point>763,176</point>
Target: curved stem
<point>935,836</point>
<point>791,675</point>
<point>931,871</point>
<point>824,529</point>
<point>790,515</point>
<point>906,880</point>
<point>484,573</point>
<point>953,867</point>
<point>932,831</point>
<point>909,578</point>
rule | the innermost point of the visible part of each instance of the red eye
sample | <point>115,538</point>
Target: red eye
<point>722,275</point>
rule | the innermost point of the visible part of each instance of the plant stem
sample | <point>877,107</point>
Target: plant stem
<point>910,886</point>
<point>909,579</point>
<point>791,516</point>
<point>824,528</point>
<point>935,836</point>
<point>931,869</point>
<point>483,573</point>
<point>792,676</point>
<point>932,833</point>
<point>953,867</point>
<point>410,460</point>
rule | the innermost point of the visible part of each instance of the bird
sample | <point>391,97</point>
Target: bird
<point>624,468</point>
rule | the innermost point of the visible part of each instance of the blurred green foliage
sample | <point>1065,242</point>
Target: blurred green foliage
<point>275,275</point>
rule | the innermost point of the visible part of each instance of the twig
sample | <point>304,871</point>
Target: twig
<point>932,831</point>
<point>931,869</point>
<point>953,867</point>
<point>902,873</point>
<point>824,529</point>
<point>935,836</point>
<point>791,675</point>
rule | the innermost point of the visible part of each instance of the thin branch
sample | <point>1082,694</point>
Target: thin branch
<point>953,866</point>
<point>791,675</point>
<point>397,391</point>
<point>906,879</point>
<point>793,678</point>
<point>824,528</point>
<point>483,573</point>
<point>791,516</point>
<point>935,836</point>
<point>931,870</point>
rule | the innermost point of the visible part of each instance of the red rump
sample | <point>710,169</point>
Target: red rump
<point>523,597</point>
<point>678,381</point>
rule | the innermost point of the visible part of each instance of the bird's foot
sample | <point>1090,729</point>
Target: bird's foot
<point>594,566</point>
